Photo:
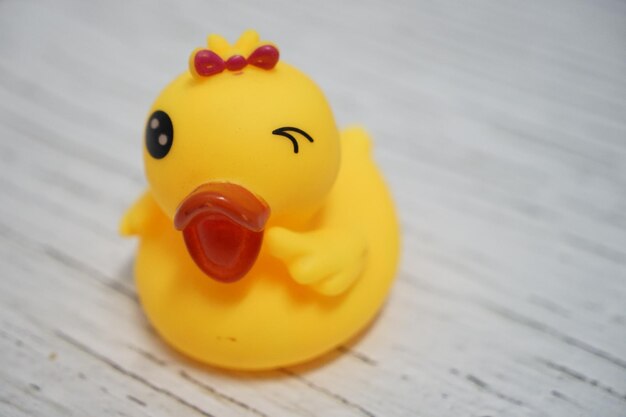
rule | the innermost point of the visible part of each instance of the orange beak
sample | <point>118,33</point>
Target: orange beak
<point>222,224</point>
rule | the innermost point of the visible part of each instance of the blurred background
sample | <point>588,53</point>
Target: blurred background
<point>500,127</point>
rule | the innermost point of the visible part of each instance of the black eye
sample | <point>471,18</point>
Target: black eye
<point>159,134</point>
<point>284,131</point>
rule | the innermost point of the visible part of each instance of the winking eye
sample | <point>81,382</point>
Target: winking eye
<point>285,132</point>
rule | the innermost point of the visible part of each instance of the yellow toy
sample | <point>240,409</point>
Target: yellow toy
<point>267,237</point>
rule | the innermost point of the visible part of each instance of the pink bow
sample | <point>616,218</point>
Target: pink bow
<point>207,63</point>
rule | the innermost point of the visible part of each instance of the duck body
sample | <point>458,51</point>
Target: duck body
<point>323,262</point>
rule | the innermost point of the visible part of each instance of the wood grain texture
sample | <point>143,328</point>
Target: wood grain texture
<point>501,127</point>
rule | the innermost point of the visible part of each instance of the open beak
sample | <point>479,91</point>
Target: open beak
<point>222,224</point>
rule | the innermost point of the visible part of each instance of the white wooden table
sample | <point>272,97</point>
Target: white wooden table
<point>501,127</point>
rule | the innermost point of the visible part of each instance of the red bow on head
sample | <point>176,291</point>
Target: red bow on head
<point>207,63</point>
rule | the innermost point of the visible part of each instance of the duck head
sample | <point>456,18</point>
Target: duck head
<point>239,141</point>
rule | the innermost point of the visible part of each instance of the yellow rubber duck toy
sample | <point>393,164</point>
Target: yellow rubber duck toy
<point>267,237</point>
